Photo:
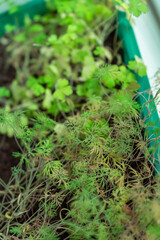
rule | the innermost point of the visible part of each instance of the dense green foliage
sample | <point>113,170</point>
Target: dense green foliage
<point>84,169</point>
<point>82,177</point>
<point>56,58</point>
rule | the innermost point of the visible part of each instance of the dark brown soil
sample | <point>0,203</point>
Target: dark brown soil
<point>7,145</point>
<point>7,161</point>
<point>7,73</point>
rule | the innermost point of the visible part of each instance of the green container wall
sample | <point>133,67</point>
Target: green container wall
<point>30,8</point>
<point>130,50</point>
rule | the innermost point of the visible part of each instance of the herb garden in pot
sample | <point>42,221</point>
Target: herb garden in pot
<point>69,115</point>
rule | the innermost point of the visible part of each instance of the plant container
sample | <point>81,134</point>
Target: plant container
<point>130,50</point>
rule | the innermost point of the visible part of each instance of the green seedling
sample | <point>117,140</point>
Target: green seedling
<point>86,174</point>
<point>63,89</point>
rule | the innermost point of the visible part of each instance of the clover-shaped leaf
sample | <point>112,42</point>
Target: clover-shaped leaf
<point>138,67</point>
<point>109,75</point>
<point>136,7</point>
<point>133,86</point>
<point>37,88</point>
<point>64,89</point>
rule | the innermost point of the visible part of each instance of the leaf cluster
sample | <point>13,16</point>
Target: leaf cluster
<point>86,176</point>
<point>59,57</point>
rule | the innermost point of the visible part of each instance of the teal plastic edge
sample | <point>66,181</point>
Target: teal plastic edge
<point>17,19</point>
<point>149,110</point>
<point>130,49</point>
